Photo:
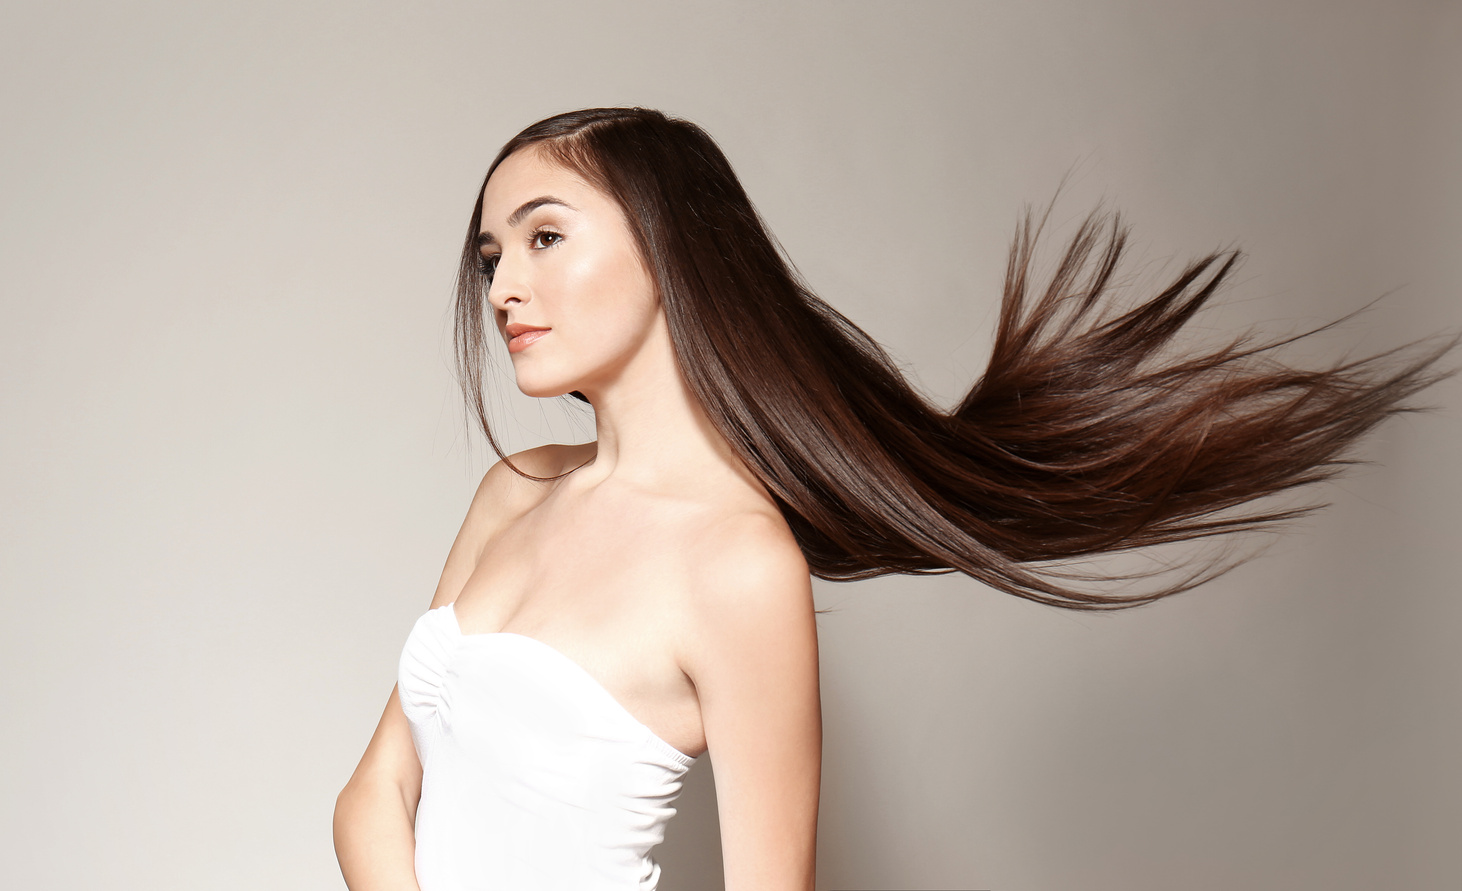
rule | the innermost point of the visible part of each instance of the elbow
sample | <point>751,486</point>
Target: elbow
<point>352,801</point>
<point>346,796</point>
<point>344,806</point>
<point>368,794</point>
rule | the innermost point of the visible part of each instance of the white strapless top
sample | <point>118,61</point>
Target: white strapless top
<point>534,778</point>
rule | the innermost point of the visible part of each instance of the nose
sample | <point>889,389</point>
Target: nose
<point>508,289</point>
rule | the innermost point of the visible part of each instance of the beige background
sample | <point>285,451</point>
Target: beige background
<point>233,458</point>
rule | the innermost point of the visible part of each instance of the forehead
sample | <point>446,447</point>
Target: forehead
<point>529,174</point>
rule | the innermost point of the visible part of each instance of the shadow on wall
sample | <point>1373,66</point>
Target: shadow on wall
<point>690,856</point>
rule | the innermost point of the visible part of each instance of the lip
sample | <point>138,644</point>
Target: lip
<point>520,337</point>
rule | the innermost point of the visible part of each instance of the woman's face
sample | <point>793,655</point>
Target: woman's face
<point>569,291</point>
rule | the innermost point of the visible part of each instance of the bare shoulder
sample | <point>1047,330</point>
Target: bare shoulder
<point>505,491</point>
<point>504,495</point>
<point>750,590</point>
<point>746,552</point>
<point>553,459</point>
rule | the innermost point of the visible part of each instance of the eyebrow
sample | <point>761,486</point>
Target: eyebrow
<point>516,217</point>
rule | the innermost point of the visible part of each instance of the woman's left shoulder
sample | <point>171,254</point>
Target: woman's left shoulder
<point>750,649</point>
<point>749,561</point>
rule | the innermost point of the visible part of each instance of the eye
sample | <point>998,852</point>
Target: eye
<point>486,266</point>
<point>544,238</point>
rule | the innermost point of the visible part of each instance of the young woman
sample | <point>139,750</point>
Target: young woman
<point>610,611</point>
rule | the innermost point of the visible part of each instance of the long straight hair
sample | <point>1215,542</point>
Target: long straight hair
<point>1087,435</point>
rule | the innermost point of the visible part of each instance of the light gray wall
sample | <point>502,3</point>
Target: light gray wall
<point>232,458</point>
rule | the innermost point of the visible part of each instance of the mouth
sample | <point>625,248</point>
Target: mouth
<point>520,337</point>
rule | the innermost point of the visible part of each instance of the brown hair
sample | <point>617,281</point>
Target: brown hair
<point>1087,435</point>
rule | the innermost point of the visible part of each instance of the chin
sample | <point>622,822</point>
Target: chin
<point>544,392</point>
<point>544,389</point>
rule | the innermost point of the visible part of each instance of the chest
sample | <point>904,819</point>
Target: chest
<point>604,587</point>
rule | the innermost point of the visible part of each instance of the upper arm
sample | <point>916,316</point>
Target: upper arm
<point>754,665</point>
<point>390,757</point>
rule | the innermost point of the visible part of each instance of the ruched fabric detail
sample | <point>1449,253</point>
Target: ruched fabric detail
<point>423,666</point>
<point>533,775</point>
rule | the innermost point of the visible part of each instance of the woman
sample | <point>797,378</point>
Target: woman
<point>611,611</point>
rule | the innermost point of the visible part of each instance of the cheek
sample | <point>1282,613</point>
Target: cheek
<point>635,289</point>
<point>613,296</point>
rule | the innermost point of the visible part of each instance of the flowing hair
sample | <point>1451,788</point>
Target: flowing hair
<point>1087,435</point>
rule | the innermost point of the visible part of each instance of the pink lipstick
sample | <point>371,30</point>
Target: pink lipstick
<point>520,337</point>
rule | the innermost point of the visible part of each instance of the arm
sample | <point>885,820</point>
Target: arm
<point>754,664</point>
<point>375,814</point>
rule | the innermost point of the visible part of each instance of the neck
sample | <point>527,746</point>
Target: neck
<point>651,430</point>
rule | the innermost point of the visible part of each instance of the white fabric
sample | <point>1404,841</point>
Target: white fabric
<point>534,777</point>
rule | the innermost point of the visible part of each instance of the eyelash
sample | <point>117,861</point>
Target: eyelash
<point>486,266</point>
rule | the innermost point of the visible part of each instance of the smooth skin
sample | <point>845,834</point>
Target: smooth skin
<point>659,563</point>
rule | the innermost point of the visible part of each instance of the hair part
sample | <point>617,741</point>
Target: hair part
<point>1089,433</point>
